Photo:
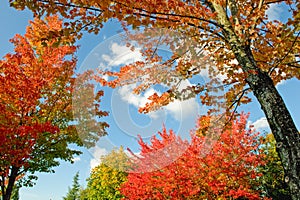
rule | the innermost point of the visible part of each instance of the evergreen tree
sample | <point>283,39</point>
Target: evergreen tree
<point>74,192</point>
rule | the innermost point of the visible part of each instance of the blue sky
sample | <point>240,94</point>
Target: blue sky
<point>125,122</point>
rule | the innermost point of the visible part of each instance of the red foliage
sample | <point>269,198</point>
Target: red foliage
<point>28,78</point>
<point>228,170</point>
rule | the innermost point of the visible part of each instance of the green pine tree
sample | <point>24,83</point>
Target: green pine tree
<point>74,192</point>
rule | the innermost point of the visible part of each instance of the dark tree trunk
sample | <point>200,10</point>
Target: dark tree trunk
<point>277,114</point>
<point>279,118</point>
<point>11,182</point>
<point>283,128</point>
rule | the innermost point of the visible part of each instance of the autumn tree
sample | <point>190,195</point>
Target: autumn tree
<point>37,125</point>
<point>106,178</point>
<point>226,171</point>
<point>235,37</point>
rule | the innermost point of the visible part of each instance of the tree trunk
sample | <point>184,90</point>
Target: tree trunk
<point>277,114</point>
<point>279,118</point>
<point>11,182</point>
<point>283,128</point>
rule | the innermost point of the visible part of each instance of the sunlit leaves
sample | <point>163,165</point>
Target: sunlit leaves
<point>239,44</point>
<point>36,89</point>
<point>106,178</point>
<point>225,168</point>
<point>213,26</point>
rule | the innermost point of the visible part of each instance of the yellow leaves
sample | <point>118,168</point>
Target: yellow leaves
<point>275,51</point>
<point>204,123</point>
<point>106,178</point>
<point>183,68</point>
<point>17,5</point>
<point>48,32</point>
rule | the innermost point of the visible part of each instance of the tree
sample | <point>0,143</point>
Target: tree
<point>227,171</point>
<point>74,192</point>
<point>37,125</point>
<point>83,195</point>
<point>235,35</point>
<point>105,179</point>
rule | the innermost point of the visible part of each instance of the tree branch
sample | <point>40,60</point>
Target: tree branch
<point>287,53</point>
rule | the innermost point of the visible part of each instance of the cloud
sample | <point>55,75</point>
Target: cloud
<point>205,74</point>
<point>179,110</point>
<point>138,101</point>
<point>76,159</point>
<point>97,153</point>
<point>134,99</point>
<point>260,124</point>
<point>121,55</point>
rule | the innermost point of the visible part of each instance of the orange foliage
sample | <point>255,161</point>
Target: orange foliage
<point>196,35</point>
<point>26,77</point>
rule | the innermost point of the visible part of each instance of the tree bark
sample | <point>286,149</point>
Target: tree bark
<point>11,181</point>
<point>279,118</point>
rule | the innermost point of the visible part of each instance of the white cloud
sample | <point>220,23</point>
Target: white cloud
<point>206,74</point>
<point>106,57</point>
<point>97,153</point>
<point>179,110</point>
<point>134,99</point>
<point>76,159</point>
<point>138,100</point>
<point>183,109</point>
<point>260,124</point>
<point>121,55</point>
